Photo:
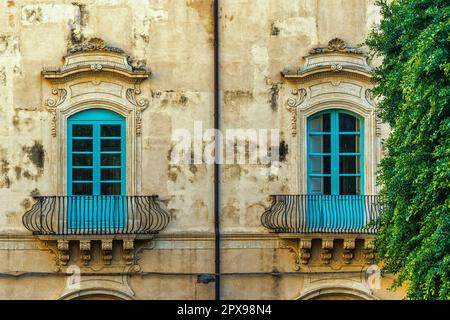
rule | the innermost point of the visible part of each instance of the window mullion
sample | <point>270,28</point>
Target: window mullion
<point>334,152</point>
<point>96,158</point>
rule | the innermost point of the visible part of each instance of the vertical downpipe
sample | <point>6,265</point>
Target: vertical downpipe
<point>217,151</point>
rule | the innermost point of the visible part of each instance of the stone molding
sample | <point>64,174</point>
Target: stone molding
<point>302,249</point>
<point>332,76</point>
<point>95,75</point>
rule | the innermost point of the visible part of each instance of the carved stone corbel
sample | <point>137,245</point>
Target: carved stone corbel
<point>85,251</point>
<point>107,251</point>
<point>292,104</point>
<point>63,252</point>
<point>368,251</point>
<point>327,250</point>
<point>348,249</point>
<point>305,250</point>
<point>128,251</point>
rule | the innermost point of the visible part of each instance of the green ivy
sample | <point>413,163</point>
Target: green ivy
<point>413,85</point>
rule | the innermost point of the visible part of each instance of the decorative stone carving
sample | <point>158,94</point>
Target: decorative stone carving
<point>53,103</point>
<point>336,67</point>
<point>96,67</point>
<point>85,251</point>
<point>93,44</point>
<point>368,251</point>
<point>305,250</point>
<point>369,96</point>
<point>128,251</point>
<point>300,250</point>
<point>95,75</point>
<point>107,246</point>
<point>97,63</point>
<point>333,76</point>
<point>292,104</point>
<point>63,250</point>
<point>140,103</point>
<point>336,57</point>
<point>327,250</point>
<point>292,246</point>
<point>348,248</point>
<point>336,45</point>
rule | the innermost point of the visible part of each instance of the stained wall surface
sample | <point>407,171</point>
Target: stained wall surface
<point>174,39</point>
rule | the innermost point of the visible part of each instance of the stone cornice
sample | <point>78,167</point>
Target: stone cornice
<point>336,58</point>
<point>95,57</point>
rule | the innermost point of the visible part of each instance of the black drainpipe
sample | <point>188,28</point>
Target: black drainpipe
<point>217,151</point>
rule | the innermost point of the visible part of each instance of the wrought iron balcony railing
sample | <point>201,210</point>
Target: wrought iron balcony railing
<point>323,214</point>
<point>95,215</point>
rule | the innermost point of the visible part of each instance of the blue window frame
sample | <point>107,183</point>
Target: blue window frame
<point>96,170</point>
<point>335,153</point>
<point>96,153</point>
<point>335,169</point>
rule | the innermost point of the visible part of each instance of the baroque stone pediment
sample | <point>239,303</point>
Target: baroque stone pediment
<point>336,57</point>
<point>94,56</point>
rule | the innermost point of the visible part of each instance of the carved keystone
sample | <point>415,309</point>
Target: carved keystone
<point>349,247</point>
<point>85,251</point>
<point>63,249</point>
<point>327,250</point>
<point>128,251</point>
<point>107,251</point>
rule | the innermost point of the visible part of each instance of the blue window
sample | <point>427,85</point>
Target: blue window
<point>96,153</point>
<point>335,153</point>
<point>96,169</point>
<point>335,169</point>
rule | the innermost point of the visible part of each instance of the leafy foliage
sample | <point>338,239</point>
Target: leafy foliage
<point>413,84</point>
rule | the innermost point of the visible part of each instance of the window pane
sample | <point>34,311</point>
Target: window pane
<point>321,123</point>
<point>110,159</point>
<point>320,143</point>
<point>110,188</point>
<point>349,143</point>
<point>348,123</point>
<point>320,185</point>
<point>82,160</point>
<point>80,189</point>
<point>81,174</point>
<point>349,164</point>
<point>110,130</point>
<point>82,130</point>
<point>82,145</point>
<point>110,145</point>
<point>320,164</point>
<point>110,174</point>
<point>349,185</point>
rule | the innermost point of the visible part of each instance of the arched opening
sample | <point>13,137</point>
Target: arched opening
<point>332,292</point>
<point>335,170</point>
<point>335,148</point>
<point>97,294</point>
<point>96,170</point>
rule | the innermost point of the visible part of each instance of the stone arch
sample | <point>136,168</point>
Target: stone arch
<point>336,293</point>
<point>339,289</point>
<point>96,294</point>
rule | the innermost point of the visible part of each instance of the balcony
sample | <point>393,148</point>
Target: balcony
<point>88,220</point>
<point>95,215</point>
<point>322,214</point>
<point>334,222</point>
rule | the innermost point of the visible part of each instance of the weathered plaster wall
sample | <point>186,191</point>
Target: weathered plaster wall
<point>174,39</point>
<point>257,42</point>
